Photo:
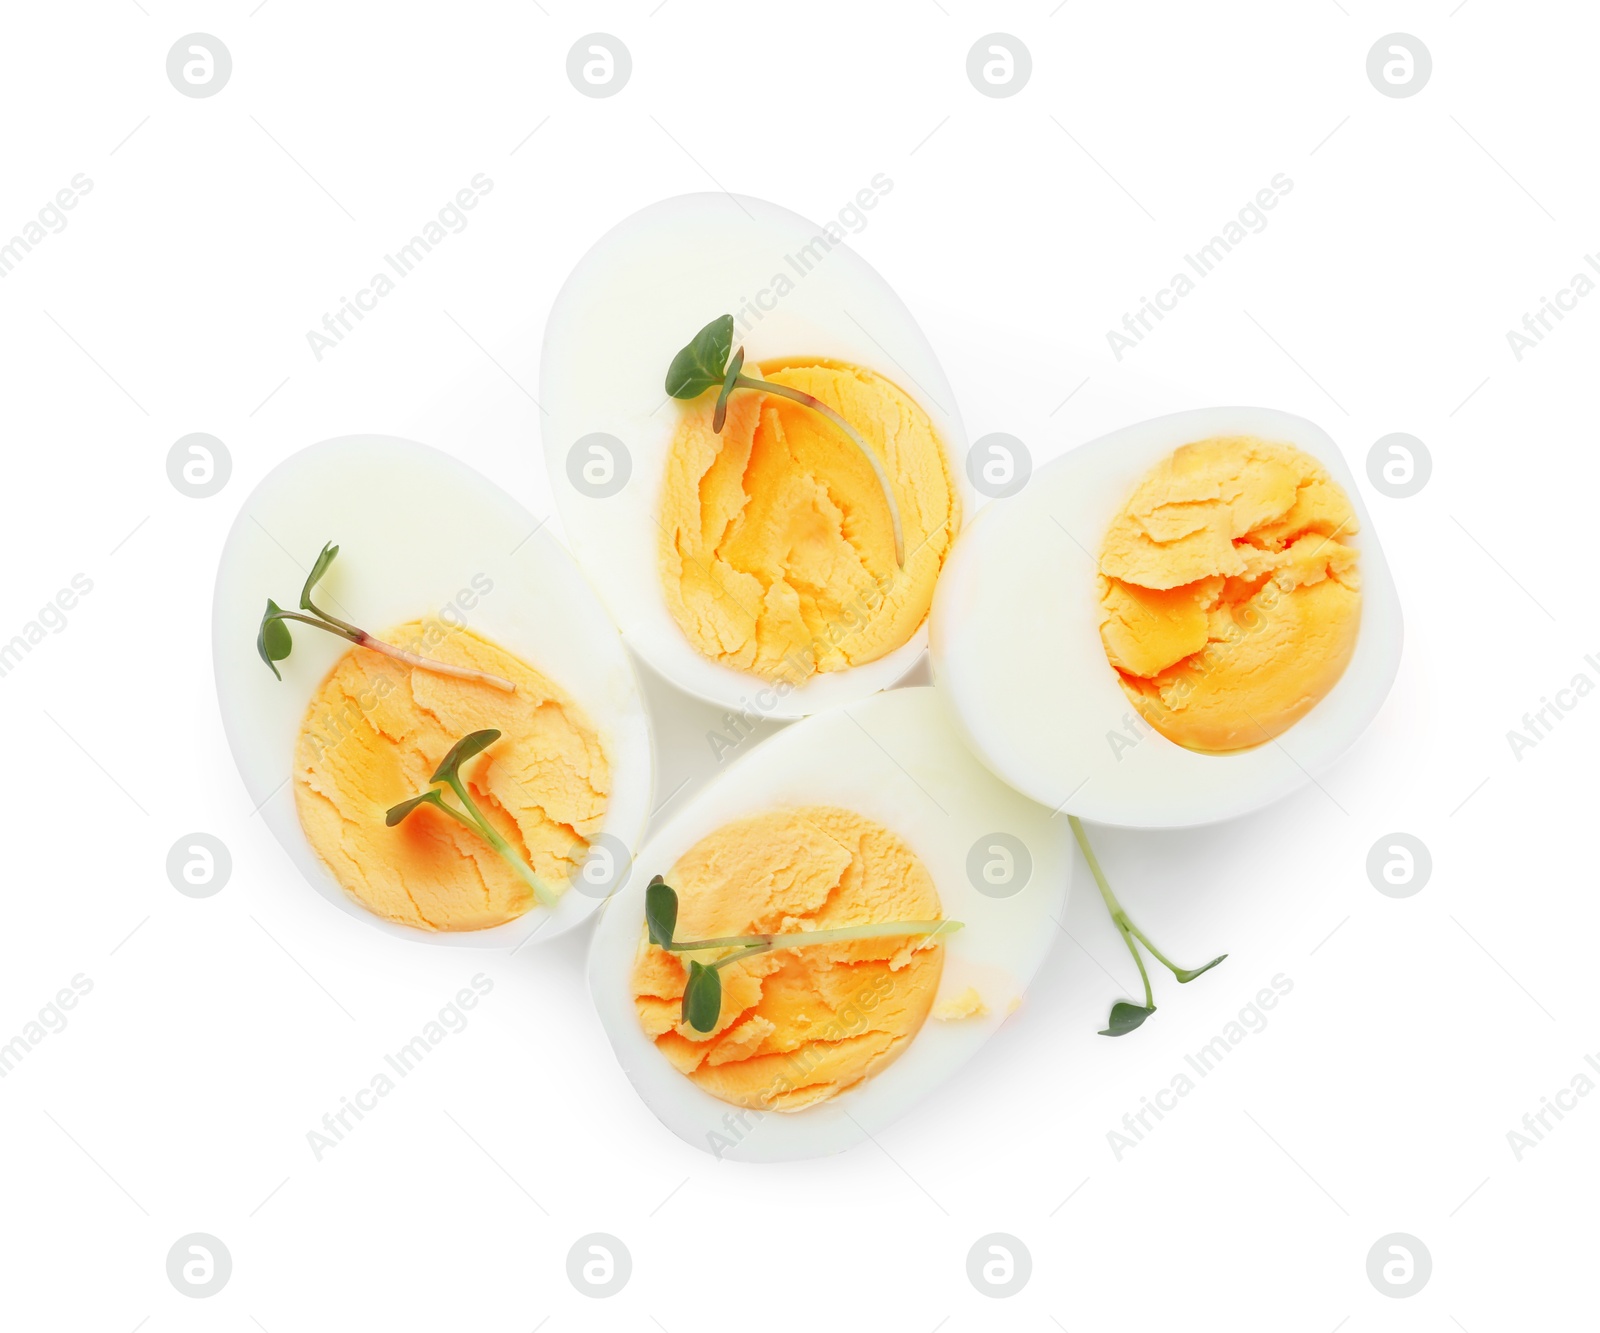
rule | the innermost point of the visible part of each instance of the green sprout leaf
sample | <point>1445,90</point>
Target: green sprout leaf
<point>273,640</point>
<point>469,815</point>
<point>1125,1017</point>
<point>318,569</point>
<point>702,997</point>
<point>398,812</point>
<point>661,921</point>
<point>702,364</point>
<point>702,992</point>
<point>660,912</point>
<point>1190,973</point>
<point>462,751</point>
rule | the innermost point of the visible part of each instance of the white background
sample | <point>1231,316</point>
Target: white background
<point>218,1031</point>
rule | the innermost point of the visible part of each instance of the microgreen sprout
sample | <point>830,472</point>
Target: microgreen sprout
<point>710,362</point>
<point>449,774</point>
<point>274,643</point>
<point>1124,1016</point>
<point>702,995</point>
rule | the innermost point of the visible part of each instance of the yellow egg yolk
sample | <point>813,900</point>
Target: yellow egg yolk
<point>1230,601</point>
<point>373,735</point>
<point>777,547</point>
<point>797,1025</point>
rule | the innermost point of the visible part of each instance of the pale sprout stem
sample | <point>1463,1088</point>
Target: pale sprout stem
<point>817,405</point>
<point>438,668</point>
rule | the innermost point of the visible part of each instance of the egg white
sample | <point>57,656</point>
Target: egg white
<point>414,527</point>
<point>897,759</point>
<point>644,290</point>
<point>1016,650</point>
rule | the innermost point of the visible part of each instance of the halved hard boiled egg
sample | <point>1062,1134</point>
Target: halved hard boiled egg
<point>1177,623</point>
<point>482,625</point>
<point>871,815</point>
<point>770,538</point>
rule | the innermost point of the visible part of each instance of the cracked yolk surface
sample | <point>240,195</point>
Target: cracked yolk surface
<point>777,549</point>
<point>1230,601</point>
<point>797,1025</point>
<point>373,735</point>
